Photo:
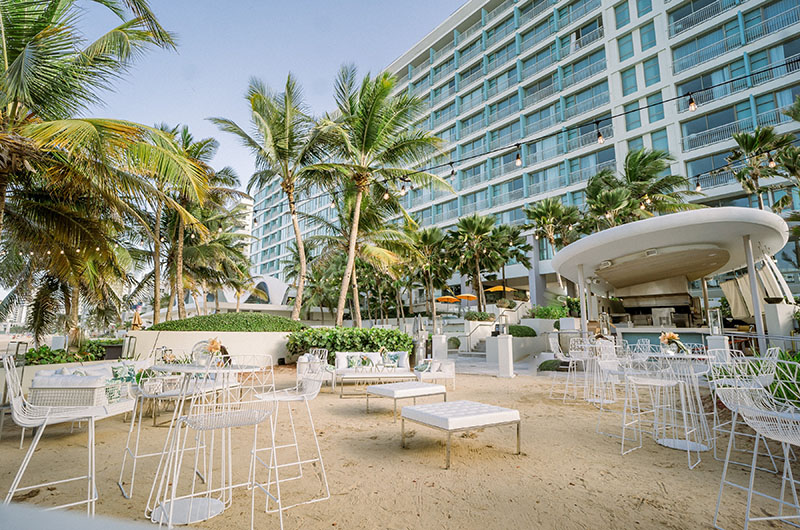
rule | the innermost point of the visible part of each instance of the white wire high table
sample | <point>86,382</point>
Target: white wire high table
<point>686,368</point>
<point>192,509</point>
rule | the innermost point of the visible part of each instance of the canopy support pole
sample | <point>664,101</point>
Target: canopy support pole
<point>751,272</point>
<point>582,298</point>
<point>706,310</point>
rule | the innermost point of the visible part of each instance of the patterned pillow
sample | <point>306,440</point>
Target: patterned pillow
<point>352,361</point>
<point>424,367</point>
<point>391,358</point>
<point>119,372</point>
<point>366,361</point>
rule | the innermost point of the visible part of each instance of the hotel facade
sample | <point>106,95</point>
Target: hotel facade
<point>546,76</point>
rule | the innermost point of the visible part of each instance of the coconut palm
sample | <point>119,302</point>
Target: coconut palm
<point>468,244</point>
<point>430,260</point>
<point>752,155</point>
<point>554,221</point>
<point>508,245</point>
<point>374,142</point>
<point>284,140</point>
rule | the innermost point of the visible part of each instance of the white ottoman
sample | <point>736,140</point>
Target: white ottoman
<point>409,389</point>
<point>454,416</point>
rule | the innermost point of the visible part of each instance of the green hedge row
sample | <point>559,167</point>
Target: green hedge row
<point>348,339</point>
<point>479,316</point>
<point>521,331</point>
<point>231,322</point>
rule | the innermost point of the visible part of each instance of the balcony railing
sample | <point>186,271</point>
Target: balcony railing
<point>589,138</point>
<point>476,150</point>
<point>444,118</point>
<point>491,15</point>
<point>700,16</point>
<point>505,139</point>
<point>504,169</point>
<point>506,111</point>
<point>548,185</point>
<point>443,95</point>
<point>581,43</point>
<point>471,78</point>
<point>718,178</point>
<point>773,117</point>
<point>498,35</point>
<point>588,172</point>
<point>536,11</point>
<point>725,132</point>
<point>418,89</point>
<point>505,198</point>
<point>584,73</point>
<point>500,85</point>
<point>771,25</point>
<point>464,57</point>
<point>466,130</point>
<point>543,123</point>
<point>469,32</point>
<point>444,72</point>
<point>444,50</point>
<point>539,95</point>
<point>538,66</point>
<point>424,67</point>
<point>536,38</point>
<point>578,13</point>
<point>499,60</point>
<point>585,106</point>
<point>445,216</point>
<point>474,206</point>
<point>471,181</point>
<point>534,157</point>
<point>467,105</point>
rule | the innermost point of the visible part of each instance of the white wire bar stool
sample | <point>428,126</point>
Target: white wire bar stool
<point>322,355</point>
<point>769,402</point>
<point>573,363</point>
<point>310,375</point>
<point>17,350</point>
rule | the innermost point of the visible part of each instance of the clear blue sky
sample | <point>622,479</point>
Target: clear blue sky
<point>222,44</point>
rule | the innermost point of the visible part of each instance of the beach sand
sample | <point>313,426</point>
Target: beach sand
<point>568,476</point>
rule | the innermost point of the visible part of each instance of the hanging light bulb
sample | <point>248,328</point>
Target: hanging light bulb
<point>219,230</point>
<point>163,240</point>
<point>78,250</point>
<point>698,188</point>
<point>333,202</point>
<point>771,162</point>
<point>48,252</point>
<point>647,200</point>
<point>518,159</point>
<point>536,237</point>
<point>62,252</point>
<point>642,206</point>
<point>386,196</point>
<point>97,249</point>
<point>192,236</point>
<point>403,190</point>
<point>600,138</point>
<point>692,103</point>
<point>452,170</point>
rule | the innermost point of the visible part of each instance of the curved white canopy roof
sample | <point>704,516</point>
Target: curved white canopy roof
<point>695,244</point>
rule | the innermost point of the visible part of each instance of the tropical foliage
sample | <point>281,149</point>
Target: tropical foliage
<point>231,322</point>
<point>348,339</point>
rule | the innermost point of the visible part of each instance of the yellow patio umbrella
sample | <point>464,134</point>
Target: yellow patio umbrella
<point>498,288</point>
<point>467,297</point>
<point>447,299</point>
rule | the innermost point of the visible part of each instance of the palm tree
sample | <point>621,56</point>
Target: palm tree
<point>284,140</point>
<point>755,151</point>
<point>609,207</point>
<point>293,264</point>
<point>468,242</point>
<point>430,260</point>
<point>374,141</point>
<point>553,220</point>
<point>508,244</point>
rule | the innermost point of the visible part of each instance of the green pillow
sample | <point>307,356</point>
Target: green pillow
<point>391,358</point>
<point>424,367</point>
<point>352,360</point>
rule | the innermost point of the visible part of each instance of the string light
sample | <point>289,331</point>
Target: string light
<point>600,138</point>
<point>48,252</point>
<point>771,162</point>
<point>403,190</point>
<point>642,206</point>
<point>692,103</point>
<point>219,230</point>
<point>698,188</point>
<point>647,200</point>
<point>192,236</point>
<point>62,252</point>
<point>78,250</point>
<point>386,196</point>
<point>97,249</point>
<point>452,170</point>
<point>518,160</point>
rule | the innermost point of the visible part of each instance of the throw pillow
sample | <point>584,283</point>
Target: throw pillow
<point>391,358</point>
<point>424,367</point>
<point>352,360</point>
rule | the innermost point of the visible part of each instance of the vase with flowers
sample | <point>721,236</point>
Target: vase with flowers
<point>671,343</point>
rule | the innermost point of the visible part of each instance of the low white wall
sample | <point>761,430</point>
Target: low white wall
<point>540,325</point>
<point>236,342</point>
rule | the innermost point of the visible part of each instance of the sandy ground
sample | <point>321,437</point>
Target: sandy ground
<point>567,476</point>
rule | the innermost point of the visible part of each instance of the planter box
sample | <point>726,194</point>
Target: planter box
<point>541,325</point>
<point>113,351</point>
<point>569,323</point>
<point>236,342</point>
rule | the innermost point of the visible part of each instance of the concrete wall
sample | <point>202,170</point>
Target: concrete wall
<point>236,342</point>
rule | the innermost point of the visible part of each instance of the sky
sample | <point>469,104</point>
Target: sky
<point>222,44</point>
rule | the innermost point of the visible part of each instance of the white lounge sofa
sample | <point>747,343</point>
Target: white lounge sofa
<point>371,368</point>
<point>437,371</point>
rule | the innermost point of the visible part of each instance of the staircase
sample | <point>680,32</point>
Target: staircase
<point>478,352</point>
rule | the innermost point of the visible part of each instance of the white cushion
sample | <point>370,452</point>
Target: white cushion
<point>68,381</point>
<point>454,415</point>
<point>406,390</point>
<point>351,373</point>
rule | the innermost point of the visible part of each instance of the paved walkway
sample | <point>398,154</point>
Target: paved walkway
<point>477,366</point>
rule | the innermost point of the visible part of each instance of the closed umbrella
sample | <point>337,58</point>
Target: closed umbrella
<point>136,322</point>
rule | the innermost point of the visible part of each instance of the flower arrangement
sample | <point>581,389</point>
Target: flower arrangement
<point>671,338</point>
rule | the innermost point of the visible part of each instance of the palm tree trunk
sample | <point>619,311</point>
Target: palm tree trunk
<point>3,190</point>
<point>478,287</point>
<point>157,264</point>
<point>179,270</point>
<point>552,242</point>
<point>216,300</point>
<point>168,316</point>
<point>73,325</point>
<point>205,301</point>
<point>505,292</point>
<point>351,259</point>
<point>238,300</point>
<point>758,195</point>
<point>357,301</point>
<point>433,304</point>
<point>301,253</point>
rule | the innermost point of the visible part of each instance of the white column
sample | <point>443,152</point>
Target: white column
<point>582,297</point>
<point>706,315</point>
<point>751,271</point>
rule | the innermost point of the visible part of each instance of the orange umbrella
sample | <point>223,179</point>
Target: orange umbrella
<point>467,297</point>
<point>447,299</point>
<point>498,288</point>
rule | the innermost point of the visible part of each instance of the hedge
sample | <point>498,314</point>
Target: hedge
<point>521,331</point>
<point>480,316</point>
<point>348,339</point>
<point>231,322</point>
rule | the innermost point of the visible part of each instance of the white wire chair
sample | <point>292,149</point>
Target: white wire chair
<point>310,375</point>
<point>768,401</point>
<point>330,370</point>
<point>17,350</point>
<point>576,357</point>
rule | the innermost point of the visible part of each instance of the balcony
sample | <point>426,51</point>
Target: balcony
<point>539,95</point>
<point>499,60</point>
<point>584,73</point>
<point>578,13</point>
<point>445,216</point>
<point>424,67</point>
<point>506,139</point>
<point>504,169</point>
<point>536,11</point>
<point>474,206</point>
<point>444,72</point>
<point>718,178</point>
<point>589,138</point>
<point>470,104</point>
<point>419,89</point>
<point>710,11</point>
<point>579,44</point>
<point>725,132</point>
<point>444,51</point>
<point>537,188</point>
<point>466,130</point>
<point>586,173</point>
<point>587,105</point>
<point>769,26</point>
<point>469,33</point>
<point>500,85</point>
<point>759,78</point>
<point>473,151</point>
<point>499,35</point>
<point>537,67</point>
<point>443,95</point>
<point>536,38</point>
<point>506,111</point>
<point>534,157</point>
<point>543,123</point>
<point>471,78</point>
<point>464,57</point>
<point>508,197</point>
<point>444,118</point>
<point>494,13</point>
<point>473,180</point>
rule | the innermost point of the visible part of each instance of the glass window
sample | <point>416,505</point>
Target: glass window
<point>652,75</point>
<point>629,81</point>
<point>643,7</point>
<point>647,35</point>
<point>622,14</point>
<point>633,117</point>
<point>635,144</point>
<point>625,45</point>
<point>656,111</point>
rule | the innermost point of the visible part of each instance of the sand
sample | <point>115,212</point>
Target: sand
<point>567,476</point>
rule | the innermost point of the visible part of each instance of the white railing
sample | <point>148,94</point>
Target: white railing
<point>771,25</point>
<point>424,67</point>
<point>706,54</point>
<point>585,106</point>
<point>588,172</point>
<point>443,95</point>
<point>700,16</point>
<point>471,181</point>
<point>715,135</point>
<point>503,113</point>
<point>773,117</point>
<point>548,185</point>
<point>579,12</point>
<point>444,117</point>
<point>536,38</point>
<point>505,139</point>
<point>584,73</point>
<point>581,43</point>
<point>545,154</point>
<point>491,15</point>
<point>471,103</point>
<point>508,197</point>
<point>444,50</point>
<point>501,84</point>
<point>543,123</point>
<point>504,169</point>
<point>589,138</point>
<point>466,81</point>
<point>443,72</point>
<point>445,216</point>
<point>478,149</point>
<point>420,88</point>
<point>474,206</point>
<point>538,66</point>
<point>469,32</point>
<point>498,35</point>
<point>464,57</point>
<point>537,10</point>
<point>539,95</point>
<point>500,59</point>
<point>717,178</point>
<point>466,130</point>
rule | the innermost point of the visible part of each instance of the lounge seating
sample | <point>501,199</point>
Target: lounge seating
<point>437,371</point>
<point>371,367</point>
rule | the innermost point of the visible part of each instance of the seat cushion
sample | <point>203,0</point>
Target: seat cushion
<point>454,415</point>
<point>353,373</point>
<point>406,389</point>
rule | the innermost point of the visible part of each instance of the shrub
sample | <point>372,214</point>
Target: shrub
<point>480,316</point>
<point>453,343</point>
<point>44,355</point>
<point>549,366</point>
<point>522,296</point>
<point>574,306</point>
<point>348,339</point>
<point>557,325</point>
<point>231,322</point>
<point>505,303</point>
<point>95,348</point>
<point>521,331</point>
<point>552,312</point>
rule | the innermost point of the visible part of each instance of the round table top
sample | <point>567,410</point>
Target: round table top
<point>197,369</point>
